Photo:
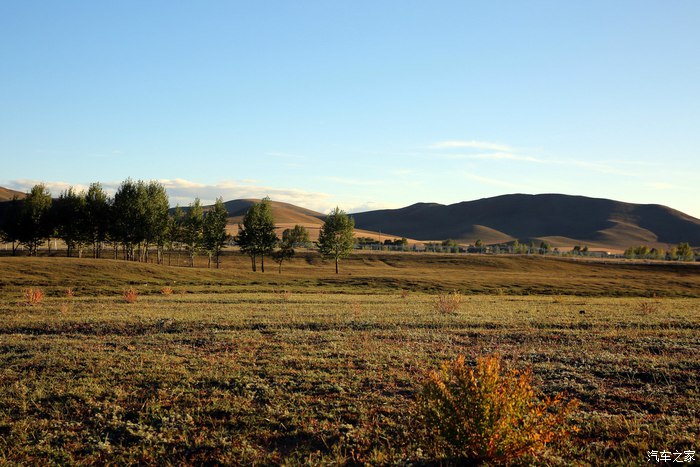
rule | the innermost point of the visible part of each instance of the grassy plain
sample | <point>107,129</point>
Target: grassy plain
<point>307,367</point>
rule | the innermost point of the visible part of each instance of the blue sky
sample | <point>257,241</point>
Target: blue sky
<point>363,104</point>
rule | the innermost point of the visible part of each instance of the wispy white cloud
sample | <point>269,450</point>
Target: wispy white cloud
<point>493,181</point>
<point>666,186</point>
<point>371,206</point>
<point>472,144</point>
<point>284,155</point>
<point>183,192</point>
<point>354,181</point>
<point>56,188</point>
<point>496,156</point>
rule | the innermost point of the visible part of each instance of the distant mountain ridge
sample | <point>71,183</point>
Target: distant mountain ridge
<point>559,219</point>
<point>562,220</point>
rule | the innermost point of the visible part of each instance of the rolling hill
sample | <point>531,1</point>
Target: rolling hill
<point>7,194</point>
<point>287,216</point>
<point>563,220</point>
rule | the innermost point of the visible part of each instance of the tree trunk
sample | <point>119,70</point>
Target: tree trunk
<point>336,265</point>
<point>252,259</point>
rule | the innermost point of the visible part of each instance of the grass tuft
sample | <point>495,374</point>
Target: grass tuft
<point>166,290</point>
<point>33,296</point>
<point>448,303</point>
<point>130,295</point>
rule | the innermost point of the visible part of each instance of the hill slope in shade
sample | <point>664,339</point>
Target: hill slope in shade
<point>561,219</point>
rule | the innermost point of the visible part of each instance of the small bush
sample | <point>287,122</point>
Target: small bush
<point>488,413</point>
<point>648,307</point>
<point>449,302</point>
<point>70,293</point>
<point>33,296</point>
<point>130,295</point>
<point>166,290</point>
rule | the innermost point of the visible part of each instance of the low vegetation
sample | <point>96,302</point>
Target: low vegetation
<point>448,303</point>
<point>330,370</point>
<point>491,414</point>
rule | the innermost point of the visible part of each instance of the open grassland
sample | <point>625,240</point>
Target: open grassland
<point>241,368</point>
<point>364,272</point>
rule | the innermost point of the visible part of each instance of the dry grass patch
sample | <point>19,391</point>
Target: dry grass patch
<point>166,290</point>
<point>130,295</point>
<point>33,296</point>
<point>448,303</point>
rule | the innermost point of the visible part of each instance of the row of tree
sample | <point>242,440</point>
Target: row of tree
<point>138,220</point>
<point>257,237</point>
<point>682,252</point>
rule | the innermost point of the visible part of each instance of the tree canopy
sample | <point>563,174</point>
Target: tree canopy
<point>256,235</point>
<point>336,239</point>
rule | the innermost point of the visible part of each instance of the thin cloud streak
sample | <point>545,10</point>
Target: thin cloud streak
<point>473,144</point>
<point>492,181</point>
<point>183,192</point>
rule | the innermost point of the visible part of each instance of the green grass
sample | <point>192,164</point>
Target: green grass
<point>247,373</point>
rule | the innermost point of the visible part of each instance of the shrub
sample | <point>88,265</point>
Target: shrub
<point>70,293</point>
<point>648,307</point>
<point>166,290</point>
<point>130,295</point>
<point>449,302</point>
<point>33,296</point>
<point>488,413</point>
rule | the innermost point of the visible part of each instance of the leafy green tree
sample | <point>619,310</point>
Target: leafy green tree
<point>214,231</point>
<point>256,235</point>
<point>71,221</point>
<point>129,216</point>
<point>35,219</point>
<point>545,247</point>
<point>155,227</point>
<point>291,238</point>
<point>336,237</point>
<point>684,252</point>
<point>297,237</point>
<point>176,224</point>
<point>97,208</point>
<point>192,229</point>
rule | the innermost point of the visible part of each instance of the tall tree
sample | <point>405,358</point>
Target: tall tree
<point>97,206</point>
<point>336,237</point>
<point>129,216</point>
<point>256,235</point>
<point>192,229</point>
<point>71,221</point>
<point>176,224</point>
<point>214,232</point>
<point>35,220</point>
<point>155,219</point>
